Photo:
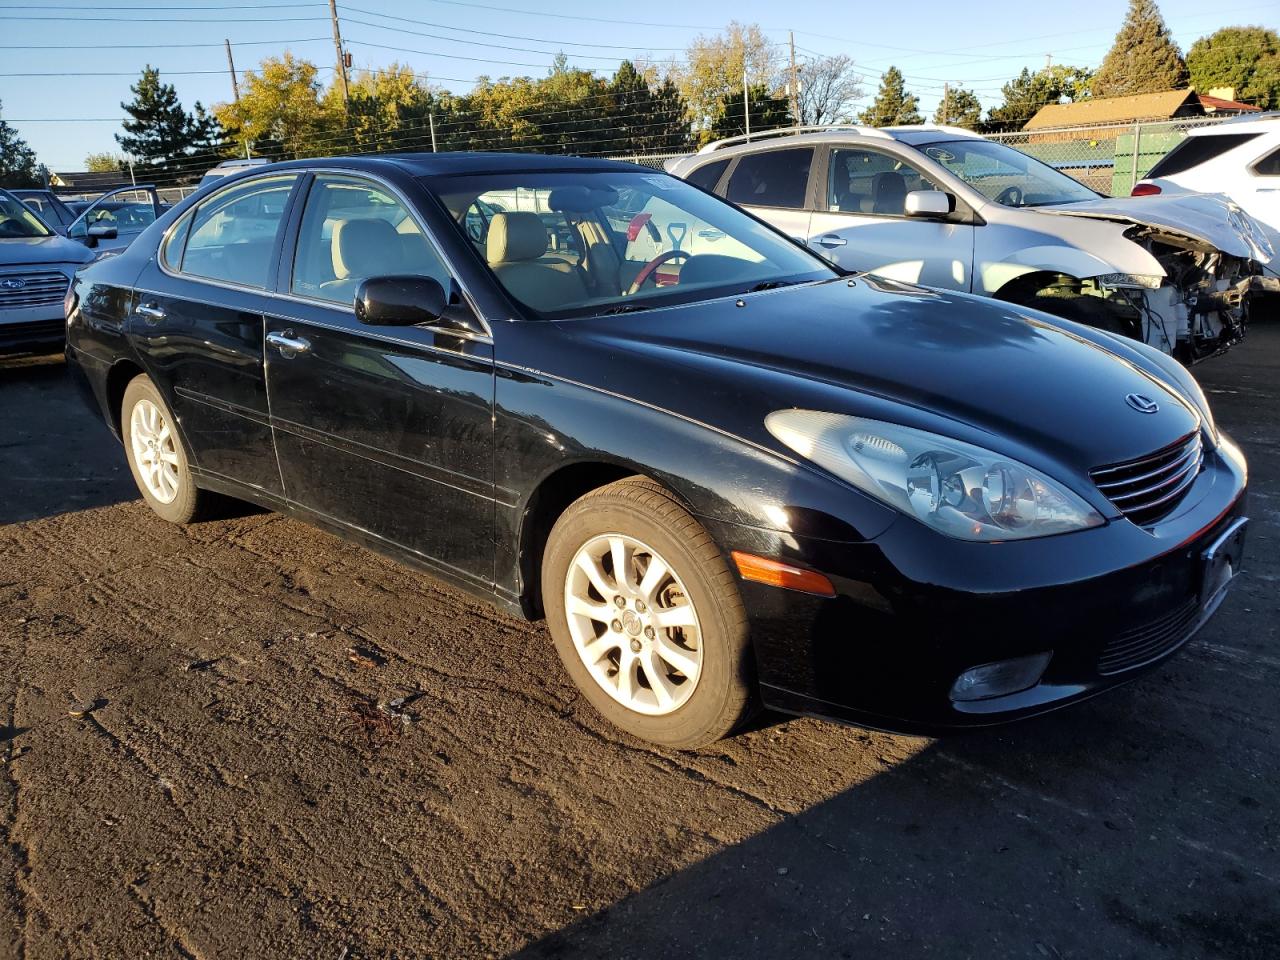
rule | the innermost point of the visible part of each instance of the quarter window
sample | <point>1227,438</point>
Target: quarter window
<point>1268,166</point>
<point>353,230</point>
<point>233,233</point>
<point>870,182</point>
<point>708,175</point>
<point>775,178</point>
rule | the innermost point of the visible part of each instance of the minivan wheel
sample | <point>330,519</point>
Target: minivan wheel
<point>156,455</point>
<point>646,616</point>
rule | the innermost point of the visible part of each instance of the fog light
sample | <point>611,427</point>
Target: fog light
<point>998,679</point>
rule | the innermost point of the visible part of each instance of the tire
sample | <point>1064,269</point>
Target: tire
<point>698,587</point>
<point>146,425</point>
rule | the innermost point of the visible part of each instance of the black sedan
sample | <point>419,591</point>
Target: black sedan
<point>724,472</point>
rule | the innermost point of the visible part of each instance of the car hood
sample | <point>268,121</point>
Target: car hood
<point>1008,379</point>
<point>22,251</point>
<point>1208,219</point>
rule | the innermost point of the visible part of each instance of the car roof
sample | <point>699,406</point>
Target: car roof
<point>912,136</point>
<point>1244,123</point>
<point>453,163</point>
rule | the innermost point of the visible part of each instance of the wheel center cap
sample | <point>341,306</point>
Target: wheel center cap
<point>631,623</point>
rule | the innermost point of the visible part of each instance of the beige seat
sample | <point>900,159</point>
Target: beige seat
<point>360,249</point>
<point>516,249</point>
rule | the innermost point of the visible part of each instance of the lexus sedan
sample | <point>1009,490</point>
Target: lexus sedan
<point>725,479</point>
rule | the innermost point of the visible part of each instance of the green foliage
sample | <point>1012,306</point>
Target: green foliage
<point>1026,93</point>
<point>279,111</point>
<point>959,108</point>
<point>160,134</point>
<point>1143,58</point>
<point>767,113</point>
<point>646,116</point>
<point>18,166</point>
<point>104,162</point>
<point>893,105</point>
<point>1246,58</point>
<point>714,68</point>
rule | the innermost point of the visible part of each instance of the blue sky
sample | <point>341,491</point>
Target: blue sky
<point>976,45</point>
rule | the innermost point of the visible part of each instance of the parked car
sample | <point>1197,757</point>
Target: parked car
<point>769,481</point>
<point>56,215</point>
<point>947,208</point>
<point>36,266</point>
<point>112,221</point>
<point>229,167</point>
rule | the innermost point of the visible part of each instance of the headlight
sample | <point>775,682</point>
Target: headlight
<point>956,488</point>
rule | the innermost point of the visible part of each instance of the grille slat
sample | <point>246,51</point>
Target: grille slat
<point>1139,646</point>
<point>1148,488</point>
<point>37,290</point>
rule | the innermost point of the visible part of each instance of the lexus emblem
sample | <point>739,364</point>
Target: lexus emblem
<point>1141,404</point>
<point>13,283</point>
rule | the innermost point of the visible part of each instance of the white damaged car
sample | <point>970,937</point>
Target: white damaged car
<point>943,207</point>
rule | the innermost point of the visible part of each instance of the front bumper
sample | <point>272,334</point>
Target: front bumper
<point>32,328</point>
<point>915,609</point>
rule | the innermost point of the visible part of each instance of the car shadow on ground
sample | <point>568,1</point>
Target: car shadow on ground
<point>55,455</point>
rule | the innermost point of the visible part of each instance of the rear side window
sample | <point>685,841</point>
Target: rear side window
<point>708,175</point>
<point>1194,151</point>
<point>775,178</point>
<point>233,233</point>
<point>1268,166</point>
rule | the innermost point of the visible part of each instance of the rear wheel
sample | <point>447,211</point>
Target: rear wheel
<point>646,616</point>
<point>157,459</point>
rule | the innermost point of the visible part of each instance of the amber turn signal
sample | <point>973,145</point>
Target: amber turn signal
<point>778,574</point>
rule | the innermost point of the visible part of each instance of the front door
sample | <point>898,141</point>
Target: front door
<point>126,211</point>
<point>385,429</point>
<point>198,324</point>
<point>864,225</point>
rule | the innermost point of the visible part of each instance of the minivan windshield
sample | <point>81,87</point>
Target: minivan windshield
<point>585,243</point>
<point>17,221</point>
<point>1005,175</point>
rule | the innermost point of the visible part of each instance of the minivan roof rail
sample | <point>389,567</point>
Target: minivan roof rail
<point>791,131</point>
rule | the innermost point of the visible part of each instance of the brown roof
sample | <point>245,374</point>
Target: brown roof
<point>1141,106</point>
<point>1217,104</point>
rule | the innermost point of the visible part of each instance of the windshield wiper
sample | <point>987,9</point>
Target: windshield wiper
<point>624,308</point>
<point>770,285</point>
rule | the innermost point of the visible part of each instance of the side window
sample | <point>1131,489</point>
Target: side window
<point>708,175</point>
<point>775,178</point>
<point>232,236</point>
<point>867,181</point>
<point>1268,166</point>
<point>353,230</point>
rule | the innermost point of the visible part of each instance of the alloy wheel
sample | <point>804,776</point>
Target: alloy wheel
<point>154,452</point>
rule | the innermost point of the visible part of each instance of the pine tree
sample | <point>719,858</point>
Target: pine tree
<point>893,106</point>
<point>160,131</point>
<point>1026,93</point>
<point>959,108</point>
<point>1143,59</point>
<point>18,167</point>
<point>768,112</point>
<point>645,118</point>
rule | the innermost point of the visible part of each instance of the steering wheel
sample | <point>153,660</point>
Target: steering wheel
<point>647,270</point>
<point>1010,196</point>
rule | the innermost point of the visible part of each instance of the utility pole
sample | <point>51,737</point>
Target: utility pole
<point>946,104</point>
<point>1048,61</point>
<point>337,47</point>
<point>795,90</point>
<point>231,65</point>
<point>746,102</point>
<point>431,118</point>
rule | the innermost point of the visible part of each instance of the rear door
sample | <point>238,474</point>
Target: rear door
<point>861,223</point>
<point>775,186</point>
<point>388,430</point>
<point>198,325</point>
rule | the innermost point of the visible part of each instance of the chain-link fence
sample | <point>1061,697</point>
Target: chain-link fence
<point>1108,158</point>
<point>655,160</point>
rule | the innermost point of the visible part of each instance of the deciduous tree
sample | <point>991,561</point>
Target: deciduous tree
<point>103,162</point>
<point>829,88</point>
<point>1026,93</point>
<point>279,110</point>
<point>18,166</point>
<point>1244,58</point>
<point>714,68</point>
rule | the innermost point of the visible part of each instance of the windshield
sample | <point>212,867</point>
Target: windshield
<point>1005,175</point>
<point>17,221</point>
<point>589,243</point>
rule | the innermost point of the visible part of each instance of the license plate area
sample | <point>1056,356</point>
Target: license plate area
<point>1222,562</point>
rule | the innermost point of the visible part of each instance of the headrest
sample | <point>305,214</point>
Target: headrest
<point>365,248</point>
<point>888,180</point>
<point>515,236</point>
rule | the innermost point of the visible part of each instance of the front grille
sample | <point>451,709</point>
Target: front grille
<point>37,290</point>
<point>1141,645</point>
<point>1147,489</point>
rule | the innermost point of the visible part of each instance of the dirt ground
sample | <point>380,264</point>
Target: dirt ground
<point>237,792</point>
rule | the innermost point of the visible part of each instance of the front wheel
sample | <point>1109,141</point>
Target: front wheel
<point>646,616</point>
<point>156,455</point>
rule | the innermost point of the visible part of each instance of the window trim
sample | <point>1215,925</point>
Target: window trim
<point>806,204</point>
<point>1252,167</point>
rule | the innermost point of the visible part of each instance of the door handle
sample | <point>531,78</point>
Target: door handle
<point>288,344</point>
<point>150,312</point>
<point>831,240</point>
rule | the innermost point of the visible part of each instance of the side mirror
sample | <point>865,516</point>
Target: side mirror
<point>103,231</point>
<point>400,301</point>
<point>927,203</point>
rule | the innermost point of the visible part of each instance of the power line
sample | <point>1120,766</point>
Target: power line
<point>151,46</point>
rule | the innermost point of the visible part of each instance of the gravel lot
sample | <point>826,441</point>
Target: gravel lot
<point>237,793</point>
